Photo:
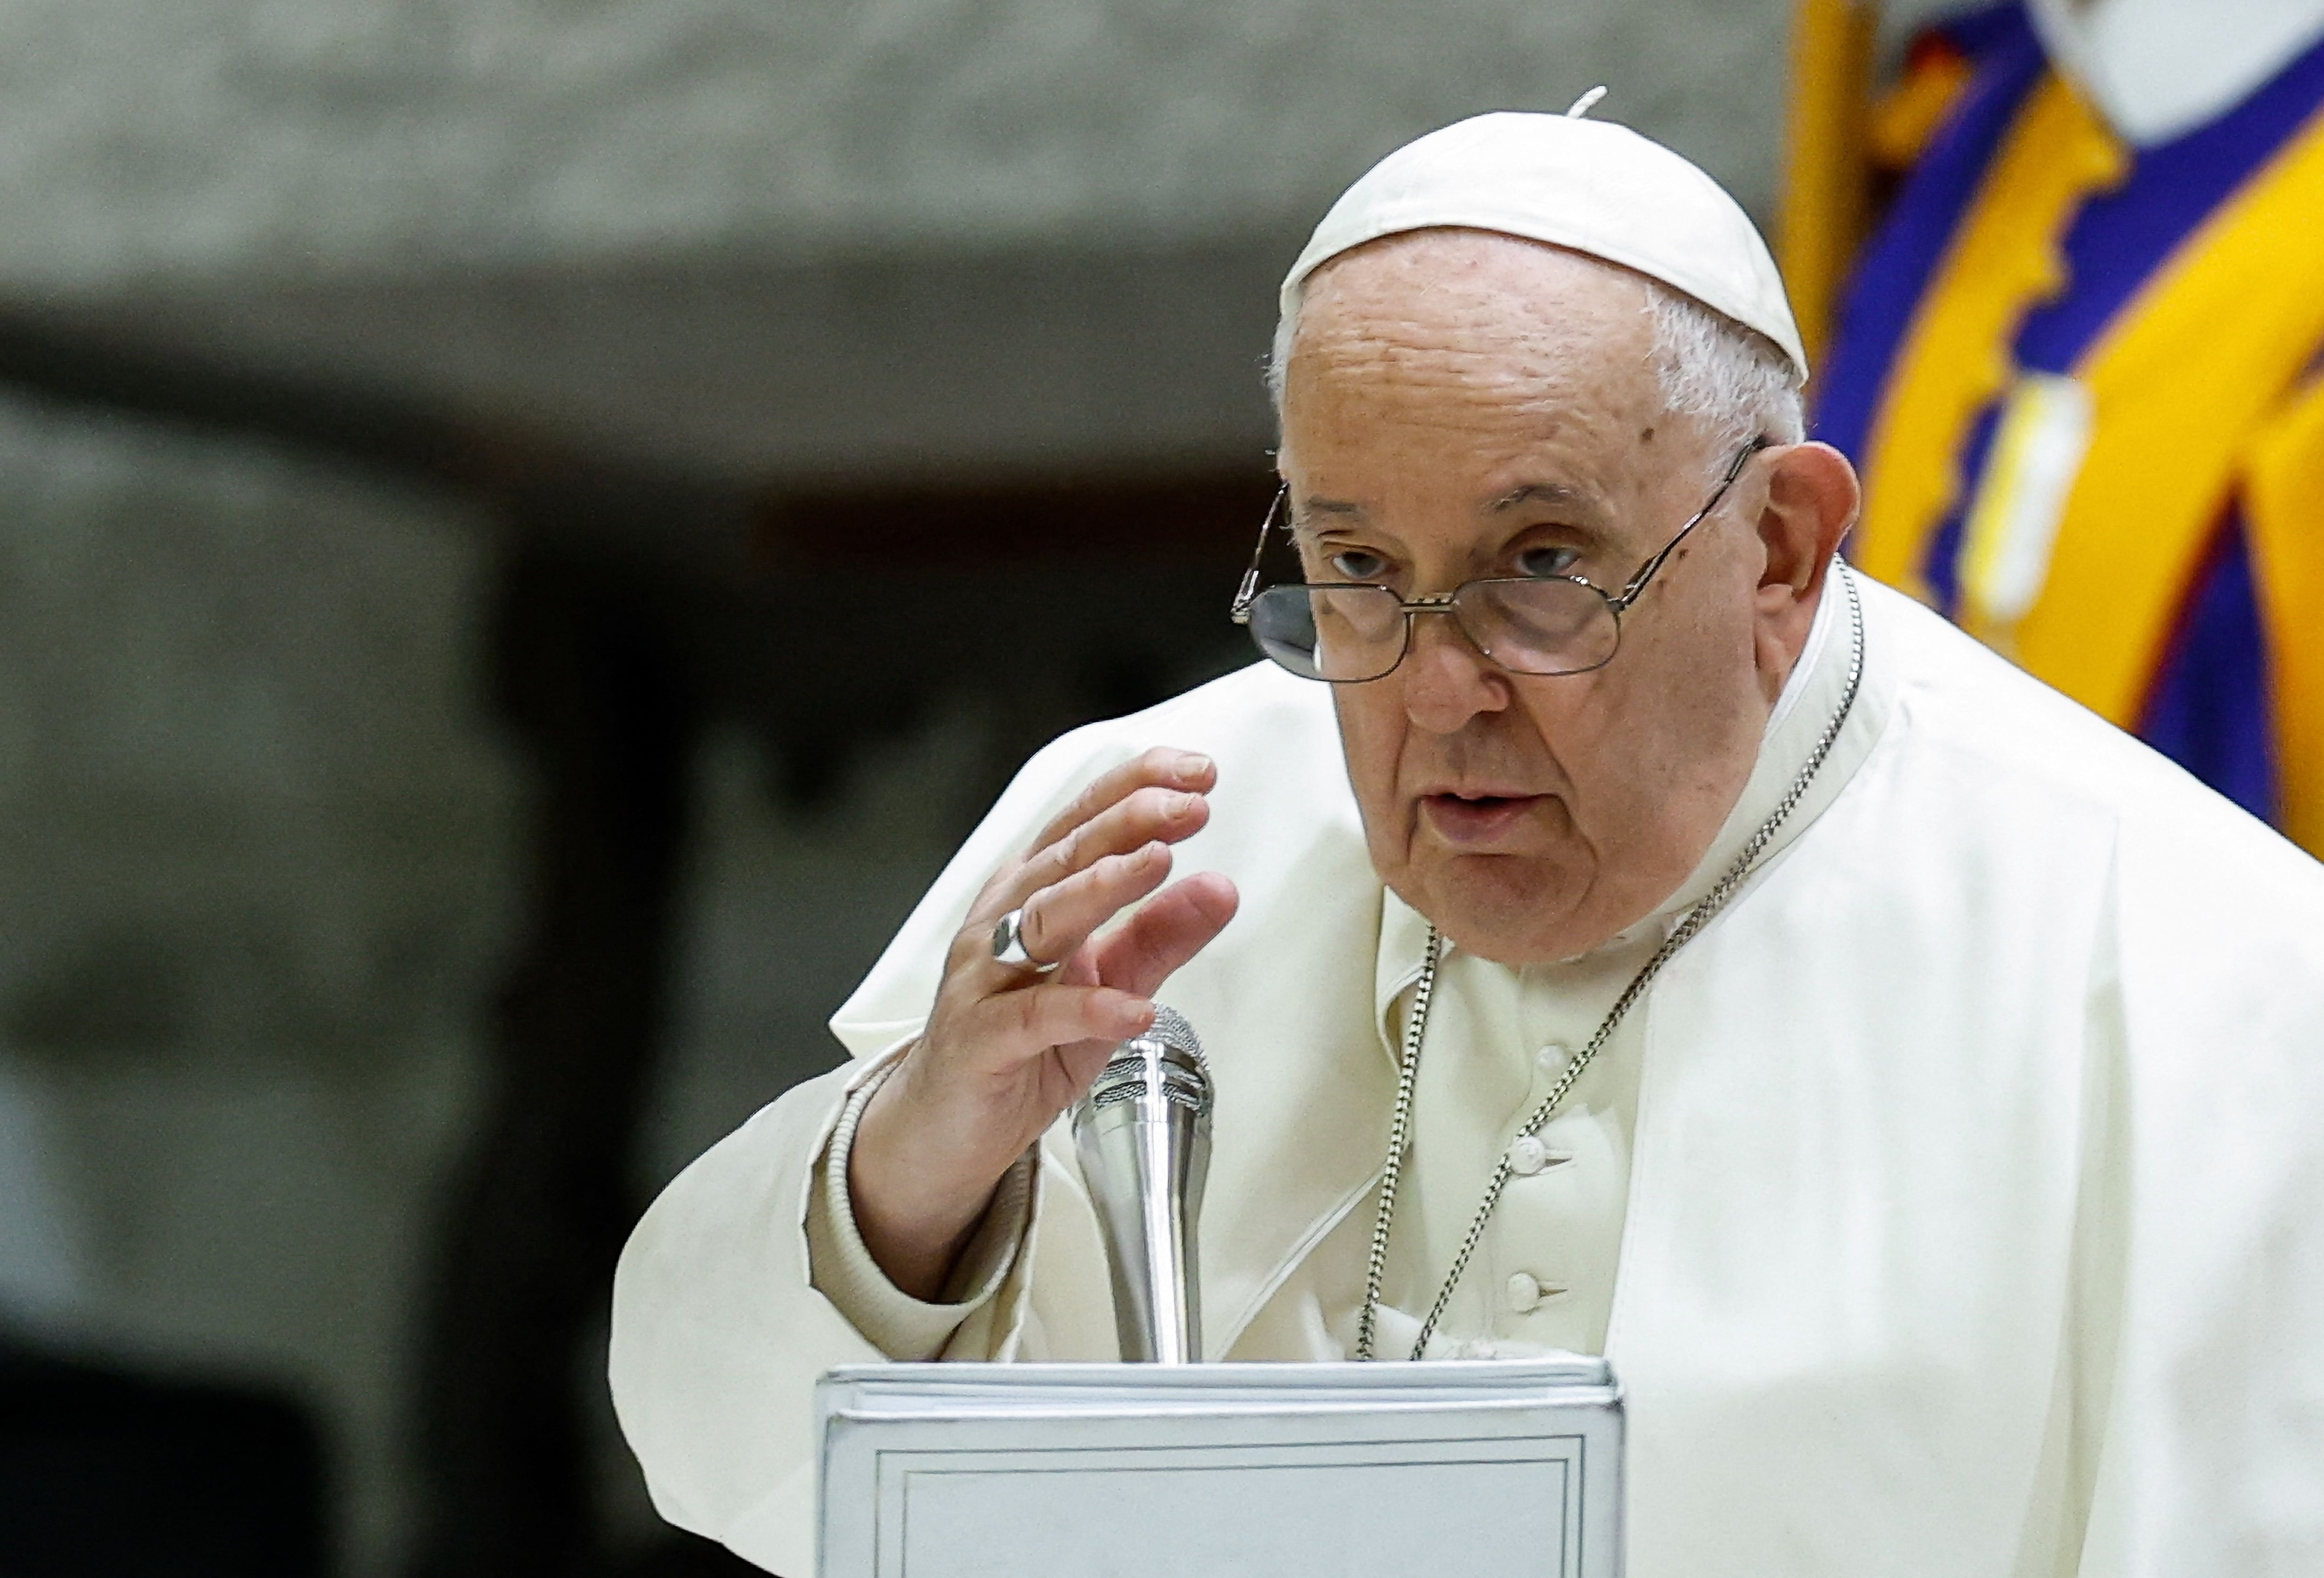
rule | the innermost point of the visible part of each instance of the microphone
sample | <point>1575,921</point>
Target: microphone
<point>1143,1133</point>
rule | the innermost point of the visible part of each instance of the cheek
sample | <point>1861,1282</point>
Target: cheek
<point>1688,693</point>
<point>1372,734</point>
<point>1576,719</point>
<point>1647,725</point>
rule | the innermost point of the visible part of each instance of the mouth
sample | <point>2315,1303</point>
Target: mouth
<point>1472,818</point>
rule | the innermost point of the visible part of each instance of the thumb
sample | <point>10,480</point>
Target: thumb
<point>1168,930</point>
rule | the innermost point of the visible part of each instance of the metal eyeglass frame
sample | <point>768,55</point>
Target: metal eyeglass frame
<point>1617,603</point>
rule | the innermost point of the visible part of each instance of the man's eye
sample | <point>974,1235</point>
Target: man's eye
<point>1548,561</point>
<point>1355,564</point>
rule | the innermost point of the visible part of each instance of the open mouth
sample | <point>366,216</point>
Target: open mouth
<point>1465,819</point>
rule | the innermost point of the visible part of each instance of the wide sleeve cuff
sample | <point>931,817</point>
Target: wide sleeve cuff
<point>842,1270</point>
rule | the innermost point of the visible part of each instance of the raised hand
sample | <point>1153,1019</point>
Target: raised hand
<point>1007,1048</point>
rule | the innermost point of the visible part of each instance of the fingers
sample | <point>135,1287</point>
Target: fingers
<point>1054,922</point>
<point>1169,929</point>
<point>1107,851</point>
<point>1164,767</point>
<point>1155,796</point>
<point>1073,886</point>
<point>1058,918</point>
<point>1006,1050</point>
<point>1017,1027</point>
<point>1146,815</point>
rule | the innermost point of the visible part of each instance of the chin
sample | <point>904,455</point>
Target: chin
<point>1509,908</point>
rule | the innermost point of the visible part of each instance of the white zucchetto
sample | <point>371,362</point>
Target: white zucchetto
<point>1591,186</point>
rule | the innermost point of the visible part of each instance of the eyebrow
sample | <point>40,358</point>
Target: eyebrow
<point>1546,493</point>
<point>1528,492</point>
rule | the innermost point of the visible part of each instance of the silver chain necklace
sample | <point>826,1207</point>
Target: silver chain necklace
<point>1399,1131</point>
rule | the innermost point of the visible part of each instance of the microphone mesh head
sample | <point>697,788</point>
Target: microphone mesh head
<point>1171,1029</point>
<point>1130,1076</point>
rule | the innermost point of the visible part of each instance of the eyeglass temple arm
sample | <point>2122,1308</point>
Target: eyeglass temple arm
<point>1638,583</point>
<point>1247,593</point>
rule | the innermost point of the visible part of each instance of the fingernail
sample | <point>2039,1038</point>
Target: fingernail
<point>1181,804</point>
<point>1135,1015</point>
<point>1191,766</point>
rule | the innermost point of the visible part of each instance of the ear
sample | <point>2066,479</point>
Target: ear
<point>1810,503</point>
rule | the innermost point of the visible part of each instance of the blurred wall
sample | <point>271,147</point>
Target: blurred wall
<point>258,833</point>
<point>146,136</point>
<point>254,852</point>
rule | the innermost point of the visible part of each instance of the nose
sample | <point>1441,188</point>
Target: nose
<point>1447,682</point>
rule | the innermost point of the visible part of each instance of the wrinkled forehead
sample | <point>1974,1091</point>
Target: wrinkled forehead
<point>1460,317</point>
<point>1522,285</point>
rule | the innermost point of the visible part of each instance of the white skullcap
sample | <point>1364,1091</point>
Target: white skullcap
<point>1592,186</point>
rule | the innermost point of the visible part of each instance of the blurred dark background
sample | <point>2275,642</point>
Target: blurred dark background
<point>527,529</point>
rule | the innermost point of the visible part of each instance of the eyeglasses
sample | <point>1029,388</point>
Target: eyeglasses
<point>1528,624</point>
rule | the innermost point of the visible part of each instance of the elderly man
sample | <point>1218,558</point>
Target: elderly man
<point>1615,926</point>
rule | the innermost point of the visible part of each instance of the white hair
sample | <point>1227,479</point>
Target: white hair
<point>1731,379</point>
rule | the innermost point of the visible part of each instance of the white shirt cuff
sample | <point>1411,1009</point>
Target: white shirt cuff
<point>842,1270</point>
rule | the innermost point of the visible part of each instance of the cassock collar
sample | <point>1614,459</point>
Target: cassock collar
<point>1809,698</point>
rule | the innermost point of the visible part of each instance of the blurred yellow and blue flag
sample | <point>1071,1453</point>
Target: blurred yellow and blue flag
<point>2081,380</point>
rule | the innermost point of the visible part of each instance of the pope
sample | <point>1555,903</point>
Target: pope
<point>1615,925</point>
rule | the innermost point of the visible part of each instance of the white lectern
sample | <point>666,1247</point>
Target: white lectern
<point>1222,1470</point>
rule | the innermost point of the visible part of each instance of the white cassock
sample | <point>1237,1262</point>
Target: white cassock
<point>1952,1205</point>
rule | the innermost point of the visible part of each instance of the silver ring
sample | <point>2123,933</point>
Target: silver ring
<point>1009,944</point>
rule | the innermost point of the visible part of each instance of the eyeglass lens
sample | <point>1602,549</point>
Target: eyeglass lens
<point>1348,635</point>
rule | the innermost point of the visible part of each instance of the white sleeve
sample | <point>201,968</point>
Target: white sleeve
<point>842,1270</point>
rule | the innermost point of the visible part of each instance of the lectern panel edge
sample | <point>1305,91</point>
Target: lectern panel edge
<point>1141,1471</point>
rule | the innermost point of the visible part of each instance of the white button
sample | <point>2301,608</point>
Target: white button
<point>1526,1292</point>
<point>1551,1059</point>
<point>1528,1156</point>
